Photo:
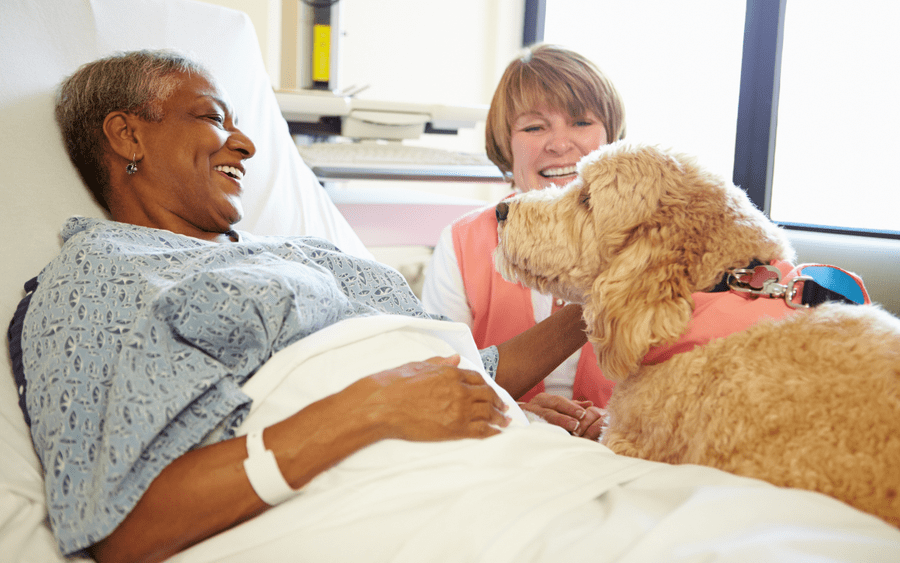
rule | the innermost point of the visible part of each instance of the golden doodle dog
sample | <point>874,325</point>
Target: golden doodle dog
<point>800,397</point>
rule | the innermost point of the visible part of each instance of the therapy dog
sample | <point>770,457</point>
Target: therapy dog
<point>694,307</point>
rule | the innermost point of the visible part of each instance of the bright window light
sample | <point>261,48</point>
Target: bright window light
<point>676,63</point>
<point>837,142</point>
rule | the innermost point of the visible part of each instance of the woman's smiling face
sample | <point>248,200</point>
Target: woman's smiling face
<point>546,145</point>
<point>192,164</point>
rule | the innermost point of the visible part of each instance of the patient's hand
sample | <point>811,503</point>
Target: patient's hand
<point>579,418</point>
<point>433,400</point>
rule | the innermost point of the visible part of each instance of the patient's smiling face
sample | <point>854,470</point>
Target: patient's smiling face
<point>546,145</point>
<point>192,168</point>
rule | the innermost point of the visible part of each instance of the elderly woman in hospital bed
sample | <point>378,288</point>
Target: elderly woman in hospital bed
<point>167,354</point>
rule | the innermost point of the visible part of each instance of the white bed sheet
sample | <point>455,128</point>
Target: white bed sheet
<point>533,493</point>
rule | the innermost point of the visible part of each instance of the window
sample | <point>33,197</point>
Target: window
<point>838,118</point>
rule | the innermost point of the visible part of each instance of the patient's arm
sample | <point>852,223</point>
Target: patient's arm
<point>206,490</point>
<point>528,358</point>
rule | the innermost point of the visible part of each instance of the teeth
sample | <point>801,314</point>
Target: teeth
<point>231,171</point>
<point>556,172</point>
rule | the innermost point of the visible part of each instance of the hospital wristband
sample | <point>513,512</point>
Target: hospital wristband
<point>263,472</point>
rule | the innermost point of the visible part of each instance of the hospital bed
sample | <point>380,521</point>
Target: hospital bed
<point>532,494</point>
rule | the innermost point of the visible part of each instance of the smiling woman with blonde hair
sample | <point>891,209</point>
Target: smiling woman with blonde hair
<point>553,77</point>
<point>551,107</point>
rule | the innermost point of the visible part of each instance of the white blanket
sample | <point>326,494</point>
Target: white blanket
<point>532,493</point>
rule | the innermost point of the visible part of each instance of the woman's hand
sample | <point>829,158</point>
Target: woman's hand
<point>579,418</point>
<point>430,400</point>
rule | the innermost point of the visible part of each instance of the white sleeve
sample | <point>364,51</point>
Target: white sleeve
<point>443,291</point>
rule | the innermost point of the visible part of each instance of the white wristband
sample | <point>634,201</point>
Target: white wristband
<point>263,472</point>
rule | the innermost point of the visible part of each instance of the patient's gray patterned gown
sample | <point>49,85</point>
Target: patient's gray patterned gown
<point>137,342</point>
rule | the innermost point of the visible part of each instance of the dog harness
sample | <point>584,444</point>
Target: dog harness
<point>761,291</point>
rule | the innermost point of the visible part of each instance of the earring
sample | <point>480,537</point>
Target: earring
<point>132,166</point>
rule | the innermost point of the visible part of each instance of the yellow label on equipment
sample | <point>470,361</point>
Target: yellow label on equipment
<point>321,53</point>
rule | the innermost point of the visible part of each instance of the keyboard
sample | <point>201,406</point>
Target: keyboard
<point>396,161</point>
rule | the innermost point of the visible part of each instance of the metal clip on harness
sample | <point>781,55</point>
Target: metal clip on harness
<point>763,281</point>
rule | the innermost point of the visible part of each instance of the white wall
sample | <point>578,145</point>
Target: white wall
<point>266,18</point>
<point>432,50</point>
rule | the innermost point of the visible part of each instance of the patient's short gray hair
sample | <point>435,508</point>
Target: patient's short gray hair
<point>136,82</point>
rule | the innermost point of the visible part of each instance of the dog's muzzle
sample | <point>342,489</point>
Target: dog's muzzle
<point>502,211</point>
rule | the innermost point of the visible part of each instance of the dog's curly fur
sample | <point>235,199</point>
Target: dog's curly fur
<point>811,401</point>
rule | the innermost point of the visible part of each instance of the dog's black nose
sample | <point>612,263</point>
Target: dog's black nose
<point>502,211</point>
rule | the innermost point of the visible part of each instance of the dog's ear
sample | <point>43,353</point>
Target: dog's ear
<point>633,306</point>
<point>642,297</point>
